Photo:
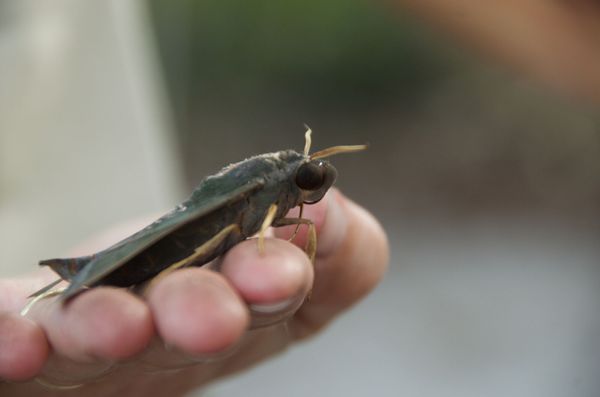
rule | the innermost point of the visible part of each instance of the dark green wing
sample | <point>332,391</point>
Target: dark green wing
<point>209,197</point>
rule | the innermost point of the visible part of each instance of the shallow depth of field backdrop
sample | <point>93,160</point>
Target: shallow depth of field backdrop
<point>486,183</point>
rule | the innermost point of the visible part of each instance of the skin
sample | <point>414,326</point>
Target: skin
<point>195,325</point>
<point>555,42</point>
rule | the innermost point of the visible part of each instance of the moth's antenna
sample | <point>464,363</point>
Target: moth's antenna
<point>307,140</point>
<point>336,150</point>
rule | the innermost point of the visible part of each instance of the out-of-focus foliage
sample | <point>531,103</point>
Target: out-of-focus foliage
<point>304,51</point>
<point>447,130</point>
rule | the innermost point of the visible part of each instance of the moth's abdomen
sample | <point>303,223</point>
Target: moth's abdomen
<point>178,246</point>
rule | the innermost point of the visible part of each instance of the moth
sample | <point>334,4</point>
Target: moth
<point>238,202</point>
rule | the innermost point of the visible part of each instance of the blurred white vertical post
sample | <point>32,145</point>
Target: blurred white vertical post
<point>86,137</point>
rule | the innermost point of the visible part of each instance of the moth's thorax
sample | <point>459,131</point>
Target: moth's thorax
<point>275,172</point>
<point>280,187</point>
<point>262,164</point>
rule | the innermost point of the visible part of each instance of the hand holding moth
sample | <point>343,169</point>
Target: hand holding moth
<point>115,342</point>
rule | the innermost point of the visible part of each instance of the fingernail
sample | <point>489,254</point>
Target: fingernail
<point>166,358</point>
<point>272,307</point>
<point>263,315</point>
<point>63,372</point>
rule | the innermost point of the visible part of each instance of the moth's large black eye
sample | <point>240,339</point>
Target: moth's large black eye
<point>310,176</point>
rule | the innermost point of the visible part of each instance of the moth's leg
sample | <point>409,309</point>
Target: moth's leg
<point>298,225</point>
<point>267,222</point>
<point>311,243</point>
<point>202,250</point>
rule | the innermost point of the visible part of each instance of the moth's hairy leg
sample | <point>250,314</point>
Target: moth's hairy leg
<point>311,242</point>
<point>267,222</point>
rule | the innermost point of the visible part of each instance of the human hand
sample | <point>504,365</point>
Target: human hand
<point>195,325</point>
<point>555,42</point>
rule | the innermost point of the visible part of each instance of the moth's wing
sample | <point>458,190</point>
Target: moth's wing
<point>201,203</point>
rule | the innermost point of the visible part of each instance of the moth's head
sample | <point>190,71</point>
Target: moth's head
<point>314,175</point>
<point>314,178</point>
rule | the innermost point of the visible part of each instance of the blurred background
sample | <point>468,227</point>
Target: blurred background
<point>485,179</point>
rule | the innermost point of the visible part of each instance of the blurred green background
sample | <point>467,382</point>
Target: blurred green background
<point>447,132</point>
<point>317,56</point>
